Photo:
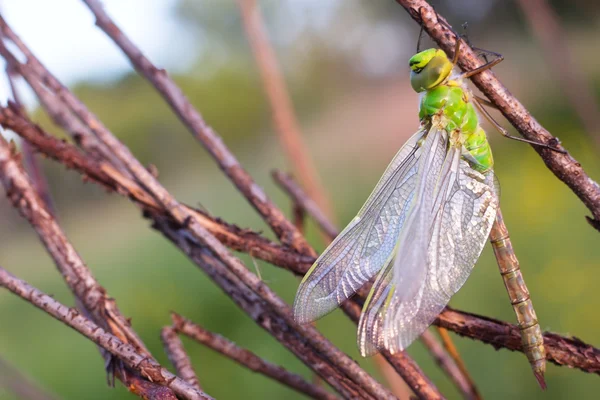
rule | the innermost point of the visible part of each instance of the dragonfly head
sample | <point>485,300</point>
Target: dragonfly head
<point>428,69</point>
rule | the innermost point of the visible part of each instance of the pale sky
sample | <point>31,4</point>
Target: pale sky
<point>62,34</point>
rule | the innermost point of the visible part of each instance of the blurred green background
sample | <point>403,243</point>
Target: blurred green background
<point>345,64</point>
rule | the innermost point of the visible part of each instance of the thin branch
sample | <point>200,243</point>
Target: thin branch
<point>256,309</point>
<point>88,292</point>
<point>247,358</point>
<point>32,164</point>
<point>545,24</point>
<point>128,354</point>
<point>560,350</point>
<point>77,275</point>
<point>446,363</point>
<point>282,110</point>
<point>101,173</point>
<point>466,324</point>
<point>285,230</point>
<point>183,217</point>
<point>298,195</point>
<point>455,355</point>
<point>564,166</point>
<point>178,357</point>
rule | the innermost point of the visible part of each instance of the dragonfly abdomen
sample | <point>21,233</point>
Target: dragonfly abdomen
<point>532,340</point>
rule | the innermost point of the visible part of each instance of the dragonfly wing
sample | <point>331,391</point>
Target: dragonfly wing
<point>464,210</point>
<point>412,246</point>
<point>367,243</point>
<point>371,336</point>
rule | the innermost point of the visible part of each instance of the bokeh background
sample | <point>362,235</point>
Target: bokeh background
<point>346,66</point>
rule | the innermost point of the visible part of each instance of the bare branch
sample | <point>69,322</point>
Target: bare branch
<point>248,301</point>
<point>178,357</point>
<point>560,350</point>
<point>77,275</point>
<point>288,184</point>
<point>449,366</point>
<point>236,238</point>
<point>88,292</point>
<point>128,354</point>
<point>284,118</point>
<point>247,358</point>
<point>285,230</point>
<point>455,355</point>
<point>32,164</point>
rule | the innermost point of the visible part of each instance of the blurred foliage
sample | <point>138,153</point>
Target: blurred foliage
<point>326,58</point>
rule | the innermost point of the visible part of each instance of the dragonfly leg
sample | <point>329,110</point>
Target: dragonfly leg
<point>478,101</point>
<point>485,102</point>
<point>489,64</point>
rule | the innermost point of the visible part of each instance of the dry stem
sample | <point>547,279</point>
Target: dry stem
<point>141,363</point>
<point>178,357</point>
<point>247,358</point>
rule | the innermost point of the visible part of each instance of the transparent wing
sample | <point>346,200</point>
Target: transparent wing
<point>367,243</point>
<point>412,247</point>
<point>464,209</point>
<point>370,326</point>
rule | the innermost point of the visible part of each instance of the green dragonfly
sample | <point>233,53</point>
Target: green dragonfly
<point>425,224</point>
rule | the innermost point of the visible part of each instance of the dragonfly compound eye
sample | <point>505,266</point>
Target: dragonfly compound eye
<point>429,68</point>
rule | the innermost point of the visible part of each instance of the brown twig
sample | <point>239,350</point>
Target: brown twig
<point>184,217</point>
<point>32,164</point>
<point>285,230</point>
<point>545,24</point>
<point>127,353</point>
<point>282,111</point>
<point>247,358</point>
<point>559,349</point>
<point>564,166</point>
<point>178,357</point>
<point>287,183</point>
<point>77,275</point>
<point>236,238</point>
<point>248,301</point>
<point>466,324</point>
<point>455,355</point>
<point>447,363</point>
<point>88,292</point>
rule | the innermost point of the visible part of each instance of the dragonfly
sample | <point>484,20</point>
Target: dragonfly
<point>422,229</point>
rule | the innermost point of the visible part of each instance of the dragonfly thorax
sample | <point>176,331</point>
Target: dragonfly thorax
<point>449,104</point>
